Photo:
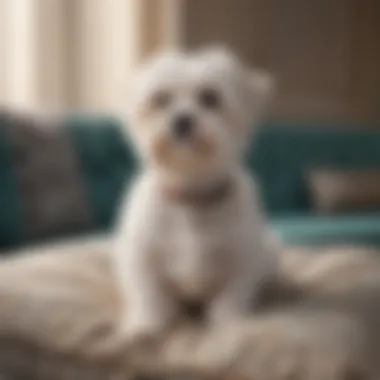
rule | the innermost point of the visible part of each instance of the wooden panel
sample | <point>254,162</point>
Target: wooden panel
<point>325,54</point>
<point>365,78</point>
<point>310,52</point>
<point>236,23</point>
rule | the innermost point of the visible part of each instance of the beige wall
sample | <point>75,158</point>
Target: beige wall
<point>325,54</point>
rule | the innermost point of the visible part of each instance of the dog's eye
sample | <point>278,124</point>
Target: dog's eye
<point>161,100</point>
<point>209,98</point>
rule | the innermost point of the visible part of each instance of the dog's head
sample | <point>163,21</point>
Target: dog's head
<point>192,114</point>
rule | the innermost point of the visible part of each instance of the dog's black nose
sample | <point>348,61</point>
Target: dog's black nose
<point>183,126</point>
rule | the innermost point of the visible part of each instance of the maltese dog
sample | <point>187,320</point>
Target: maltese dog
<point>191,229</point>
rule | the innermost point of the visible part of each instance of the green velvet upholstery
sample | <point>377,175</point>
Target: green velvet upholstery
<point>307,229</point>
<point>282,154</point>
<point>106,160</point>
<point>279,157</point>
<point>10,215</point>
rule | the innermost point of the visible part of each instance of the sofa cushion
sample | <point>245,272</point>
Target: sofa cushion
<point>344,190</point>
<point>282,154</point>
<point>49,190</point>
<point>358,229</point>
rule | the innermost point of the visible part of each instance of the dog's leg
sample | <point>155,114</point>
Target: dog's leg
<point>235,301</point>
<point>147,307</point>
<point>147,313</point>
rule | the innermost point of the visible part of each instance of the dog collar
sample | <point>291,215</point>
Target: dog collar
<point>201,198</point>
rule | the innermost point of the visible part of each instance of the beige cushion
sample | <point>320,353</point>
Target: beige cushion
<point>59,308</point>
<point>344,190</point>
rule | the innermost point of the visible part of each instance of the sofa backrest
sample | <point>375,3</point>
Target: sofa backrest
<point>107,162</point>
<point>59,176</point>
<point>279,158</point>
<point>282,154</point>
<point>102,165</point>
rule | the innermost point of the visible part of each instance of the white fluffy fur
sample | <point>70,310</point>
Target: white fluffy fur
<point>164,248</point>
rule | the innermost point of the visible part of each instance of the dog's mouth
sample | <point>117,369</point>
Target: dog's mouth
<point>183,153</point>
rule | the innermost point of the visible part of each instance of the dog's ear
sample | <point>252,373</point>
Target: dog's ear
<point>261,88</point>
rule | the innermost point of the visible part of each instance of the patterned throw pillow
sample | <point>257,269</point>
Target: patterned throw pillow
<point>51,191</point>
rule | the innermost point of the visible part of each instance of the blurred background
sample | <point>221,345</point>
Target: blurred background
<point>77,53</point>
<point>316,157</point>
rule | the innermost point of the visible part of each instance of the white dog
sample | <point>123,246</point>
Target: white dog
<point>192,228</point>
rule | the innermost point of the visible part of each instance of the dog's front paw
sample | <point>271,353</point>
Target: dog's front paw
<point>141,332</point>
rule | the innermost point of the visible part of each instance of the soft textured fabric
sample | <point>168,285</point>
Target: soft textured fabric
<point>51,189</point>
<point>334,191</point>
<point>59,309</point>
<point>43,190</point>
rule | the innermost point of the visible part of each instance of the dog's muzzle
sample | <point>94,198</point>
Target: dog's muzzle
<point>183,126</point>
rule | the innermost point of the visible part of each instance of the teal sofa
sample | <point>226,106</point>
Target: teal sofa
<point>104,163</point>
<point>280,156</point>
